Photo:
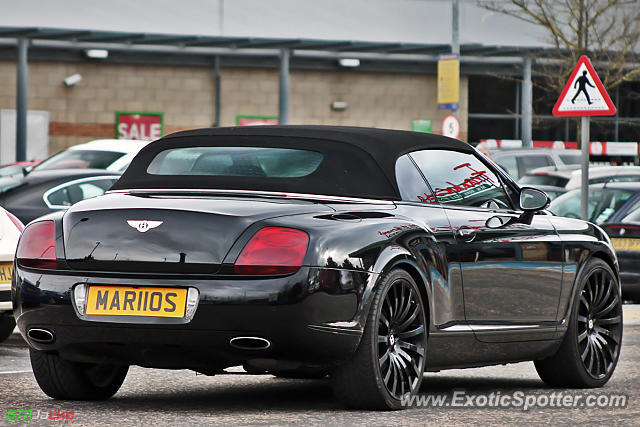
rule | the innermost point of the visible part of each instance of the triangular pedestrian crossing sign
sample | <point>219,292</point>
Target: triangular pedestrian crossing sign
<point>584,94</point>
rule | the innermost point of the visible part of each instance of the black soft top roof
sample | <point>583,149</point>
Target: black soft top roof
<point>360,161</point>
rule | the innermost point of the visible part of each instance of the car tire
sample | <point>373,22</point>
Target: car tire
<point>388,364</point>
<point>63,379</point>
<point>590,349</point>
<point>7,325</point>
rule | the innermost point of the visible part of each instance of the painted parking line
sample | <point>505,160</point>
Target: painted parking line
<point>631,314</point>
<point>14,372</point>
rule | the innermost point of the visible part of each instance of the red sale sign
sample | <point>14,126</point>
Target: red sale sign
<point>256,120</point>
<point>146,126</point>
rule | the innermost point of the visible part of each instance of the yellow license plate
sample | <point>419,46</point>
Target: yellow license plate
<point>6,270</point>
<point>626,244</point>
<point>136,301</point>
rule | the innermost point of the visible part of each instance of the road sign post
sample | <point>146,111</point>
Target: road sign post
<point>451,126</point>
<point>583,96</point>
<point>584,185</point>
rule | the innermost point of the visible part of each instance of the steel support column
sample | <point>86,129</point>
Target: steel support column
<point>517,109</point>
<point>616,129</point>
<point>527,100</point>
<point>283,99</point>
<point>218,86</point>
<point>21,102</point>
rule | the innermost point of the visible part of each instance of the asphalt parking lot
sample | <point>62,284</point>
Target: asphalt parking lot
<point>161,397</point>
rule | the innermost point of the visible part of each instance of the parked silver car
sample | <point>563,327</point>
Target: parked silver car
<point>518,162</point>
<point>570,177</point>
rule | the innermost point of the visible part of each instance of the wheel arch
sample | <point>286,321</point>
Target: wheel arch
<point>608,259</point>
<point>601,255</point>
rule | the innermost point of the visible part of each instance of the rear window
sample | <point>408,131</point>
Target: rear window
<point>93,159</point>
<point>571,159</point>
<point>531,162</point>
<point>615,178</point>
<point>540,179</point>
<point>634,216</point>
<point>270,163</point>
<point>509,165</point>
<point>236,161</point>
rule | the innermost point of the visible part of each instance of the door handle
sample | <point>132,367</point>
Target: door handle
<point>466,234</point>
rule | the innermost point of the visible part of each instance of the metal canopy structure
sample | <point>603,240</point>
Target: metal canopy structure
<point>84,38</point>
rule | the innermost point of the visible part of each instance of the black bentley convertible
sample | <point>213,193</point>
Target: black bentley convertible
<point>366,255</point>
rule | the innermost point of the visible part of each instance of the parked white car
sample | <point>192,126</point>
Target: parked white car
<point>10,229</point>
<point>518,162</point>
<point>110,154</point>
<point>570,178</point>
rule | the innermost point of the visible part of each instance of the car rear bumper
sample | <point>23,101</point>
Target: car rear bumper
<point>629,272</point>
<point>309,318</point>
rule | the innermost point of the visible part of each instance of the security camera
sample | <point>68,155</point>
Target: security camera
<point>72,80</point>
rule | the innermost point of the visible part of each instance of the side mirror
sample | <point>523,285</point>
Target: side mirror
<point>532,199</point>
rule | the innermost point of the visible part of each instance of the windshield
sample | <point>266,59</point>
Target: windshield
<point>9,183</point>
<point>540,179</point>
<point>571,159</point>
<point>11,170</point>
<point>634,216</point>
<point>603,203</point>
<point>94,159</point>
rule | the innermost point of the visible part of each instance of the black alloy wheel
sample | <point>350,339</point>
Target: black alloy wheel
<point>589,352</point>
<point>401,337</point>
<point>388,366</point>
<point>599,324</point>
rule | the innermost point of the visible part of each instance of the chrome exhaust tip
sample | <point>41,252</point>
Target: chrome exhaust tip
<point>43,336</point>
<point>250,343</point>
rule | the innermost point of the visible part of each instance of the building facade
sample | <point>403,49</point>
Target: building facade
<point>185,95</point>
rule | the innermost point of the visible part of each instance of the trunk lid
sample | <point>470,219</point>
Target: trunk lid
<point>165,234</point>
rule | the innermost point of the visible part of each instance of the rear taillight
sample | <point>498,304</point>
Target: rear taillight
<point>37,247</point>
<point>14,219</point>
<point>273,250</point>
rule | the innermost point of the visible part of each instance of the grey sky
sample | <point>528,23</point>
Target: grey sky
<point>417,21</point>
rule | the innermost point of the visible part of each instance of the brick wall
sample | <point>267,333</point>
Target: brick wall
<point>186,97</point>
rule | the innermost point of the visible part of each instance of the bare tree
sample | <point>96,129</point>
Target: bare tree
<point>608,31</point>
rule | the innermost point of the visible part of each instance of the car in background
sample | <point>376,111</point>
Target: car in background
<point>42,192</point>
<point>625,237</point>
<point>519,161</point>
<point>570,177</point>
<point>616,208</point>
<point>551,191</point>
<point>10,229</point>
<point>607,202</point>
<point>110,154</point>
<point>17,168</point>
